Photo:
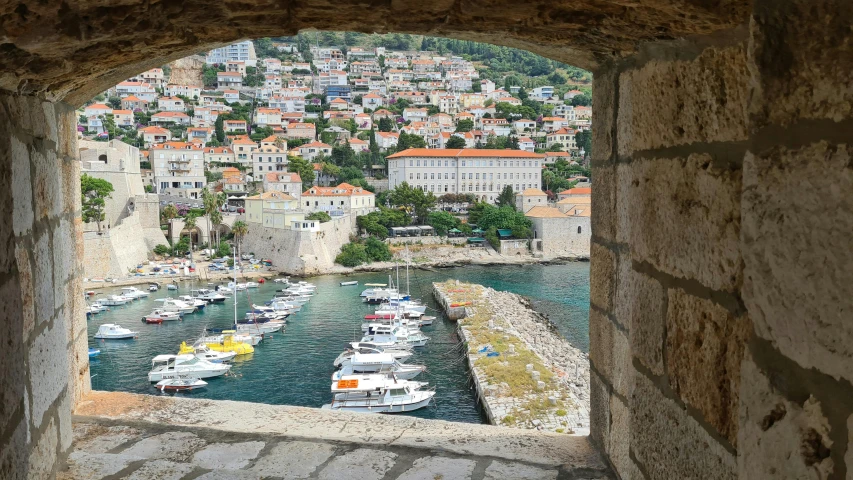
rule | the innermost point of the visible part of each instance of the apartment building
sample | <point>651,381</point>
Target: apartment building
<point>178,169</point>
<point>241,51</point>
<point>483,173</point>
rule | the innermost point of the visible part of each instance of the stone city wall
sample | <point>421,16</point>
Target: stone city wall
<point>298,252</point>
<point>560,237</point>
<point>114,252</point>
<point>44,357</point>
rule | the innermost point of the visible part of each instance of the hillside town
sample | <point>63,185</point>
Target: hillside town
<point>311,150</point>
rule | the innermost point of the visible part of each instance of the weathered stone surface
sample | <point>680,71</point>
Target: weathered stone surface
<point>779,438</point>
<point>689,209</point>
<point>48,371</point>
<point>22,189</point>
<point>12,396</point>
<point>43,456</point>
<point>363,463</point>
<point>669,103</point>
<point>802,51</point>
<point>604,203</point>
<point>95,466</point>
<point>704,350</point>
<point>229,475</point>
<point>599,413</point>
<point>291,460</point>
<point>647,321</point>
<point>601,344</point>
<point>430,468</point>
<point>91,438</point>
<point>161,470</point>
<point>620,438</point>
<point>498,470</point>
<point>602,276</point>
<point>622,213</point>
<point>848,457</point>
<point>669,443</point>
<point>604,105</point>
<point>176,446</point>
<point>229,456</point>
<point>797,253</point>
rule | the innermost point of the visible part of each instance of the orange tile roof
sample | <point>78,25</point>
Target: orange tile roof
<point>342,190</point>
<point>122,112</point>
<point>472,152</point>
<point>275,177</point>
<point>577,191</point>
<point>545,212</point>
<point>154,130</point>
<point>131,98</point>
<point>530,192</point>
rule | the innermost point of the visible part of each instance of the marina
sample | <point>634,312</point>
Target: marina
<point>296,366</point>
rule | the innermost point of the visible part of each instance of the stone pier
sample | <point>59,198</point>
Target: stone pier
<point>525,373</point>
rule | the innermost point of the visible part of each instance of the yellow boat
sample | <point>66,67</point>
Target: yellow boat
<point>185,349</point>
<point>229,345</point>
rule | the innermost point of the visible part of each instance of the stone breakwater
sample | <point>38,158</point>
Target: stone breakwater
<point>526,374</point>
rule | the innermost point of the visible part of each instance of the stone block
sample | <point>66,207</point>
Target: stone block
<point>802,56</point>
<point>66,117</point>
<point>229,456</point>
<point>604,105</point>
<point>498,470</point>
<point>48,367</point>
<point>94,466</point>
<point>599,411</point>
<point>161,470</point>
<point>623,296</point>
<point>604,203</point>
<point>66,429</point>
<point>15,452</point>
<point>669,443</point>
<point>47,186</point>
<point>93,438</point>
<point>602,276</point>
<point>63,259</point>
<point>601,344</point>
<point>43,455</point>
<point>647,321</point>
<point>293,460</point>
<point>25,277</point>
<point>779,438</point>
<point>12,355</point>
<point>21,187</point>
<point>689,209</point>
<point>798,260</point>
<point>49,112</point>
<point>175,446</point>
<point>623,222</point>
<point>229,475</point>
<point>363,463</point>
<point>669,103</point>
<point>43,284</point>
<point>70,171</point>
<point>620,438</point>
<point>429,468</point>
<point>623,371</point>
<point>704,350</point>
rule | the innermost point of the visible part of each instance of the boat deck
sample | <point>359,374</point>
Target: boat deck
<point>123,435</point>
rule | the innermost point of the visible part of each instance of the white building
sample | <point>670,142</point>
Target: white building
<point>340,200</point>
<point>243,52</point>
<point>269,158</point>
<point>178,169</point>
<point>483,173</point>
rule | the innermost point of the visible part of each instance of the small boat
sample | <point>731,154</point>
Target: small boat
<point>400,353</point>
<point>228,344</point>
<point>94,352</point>
<point>171,286</point>
<point>90,293</point>
<point>376,393</point>
<point>193,301</point>
<point>180,384</point>
<point>175,305</point>
<point>97,307</point>
<point>346,284</point>
<point>176,366</point>
<point>114,300</point>
<point>160,315</point>
<point>133,292</point>
<point>251,338</point>
<point>377,363</point>
<point>393,335</point>
<point>252,285</point>
<point>153,287</point>
<point>203,352</point>
<point>208,295</point>
<point>111,331</point>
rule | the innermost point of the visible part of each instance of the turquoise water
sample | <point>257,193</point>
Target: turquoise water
<point>294,368</point>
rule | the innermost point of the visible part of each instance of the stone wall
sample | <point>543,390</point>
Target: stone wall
<point>560,236</point>
<point>296,252</point>
<point>44,355</point>
<point>721,256</point>
<point>113,252</point>
<point>515,247</point>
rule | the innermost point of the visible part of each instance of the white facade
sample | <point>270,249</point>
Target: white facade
<point>269,159</point>
<point>483,173</point>
<point>242,51</point>
<point>178,169</point>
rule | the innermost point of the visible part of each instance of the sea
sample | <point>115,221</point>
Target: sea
<point>295,367</point>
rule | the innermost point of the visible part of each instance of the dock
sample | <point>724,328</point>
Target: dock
<point>526,374</point>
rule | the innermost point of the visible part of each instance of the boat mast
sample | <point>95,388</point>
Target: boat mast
<point>408,292</point>
<point>235,289</point>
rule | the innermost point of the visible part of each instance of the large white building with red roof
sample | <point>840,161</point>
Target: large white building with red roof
<point>480,172</point>
<point>338,200</point>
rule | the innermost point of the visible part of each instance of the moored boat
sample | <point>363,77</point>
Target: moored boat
<point>377,393</point>
<point>204,352</point>
<point>347,284</point>
<point>176,366</point>
<point>111,331</point>
<point>228,344</point>
<point>93,352</point>
<point>180,384</point>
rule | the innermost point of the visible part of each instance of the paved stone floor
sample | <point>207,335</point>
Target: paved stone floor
<point>125,436</point>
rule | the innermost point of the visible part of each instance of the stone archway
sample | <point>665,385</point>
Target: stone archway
<point>713,269</point>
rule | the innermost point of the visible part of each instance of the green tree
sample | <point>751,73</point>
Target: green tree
<point>410,140</point>
<point>94,192</point>
<point>413,199</point>
<point>352,255</point>
<point>464,125</point>
<point>114,102</point>
<point>455,142</point>
<point>441,221</point>
<point>377,250</point>
<point>506,198</point>
<point>322,217</point>
<point>385,124</point>
<point>219,129</point>
<point>582,100</point>
<point>239,229</point>
<point>583,138</point>
<point>305,170</point>
<point>169,212</point>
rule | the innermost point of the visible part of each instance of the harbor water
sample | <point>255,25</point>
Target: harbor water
<point>295,367</point>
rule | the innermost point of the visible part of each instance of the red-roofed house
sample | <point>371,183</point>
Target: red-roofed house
<point>153,134</point>
<point>310,151</point>
<point>339,200</point>
<point>286,182</point>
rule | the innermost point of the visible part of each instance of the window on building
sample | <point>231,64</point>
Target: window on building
<point>579,229</point>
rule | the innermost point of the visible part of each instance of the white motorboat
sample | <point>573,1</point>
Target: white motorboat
<point>371,327</point>
<point>270,312</point>
<point>174,305</point>
<point>153,287</point>
<point>373,287</point>
<point>292,298</point>
<point>171,286</point>
<point>238,287</point>
<point>163,315</point>
<point>404,305</point>
<point>96,307</point>
<point>347,284</point>
<point>377,393</point>
<point>281,305</point>
<point>198,303</point>
<point>391,335</point>
<point>224,289</point>
<point>208,295</point>
<point>113,300</point>
<point>252,285</point>
<point>377,363</point>
<point>111,331</point>
<point>245,337</point>
<point>400,353</point>
<point>133,292</point>
<point>202,351</point>
<point>172,366</point>
<point>180,384</point>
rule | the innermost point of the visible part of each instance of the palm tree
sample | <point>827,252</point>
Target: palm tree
<point>207,201</point>
<point>239,229</point>
<point>216,220</point>
<point>190,224</point>
<point>169,213</point>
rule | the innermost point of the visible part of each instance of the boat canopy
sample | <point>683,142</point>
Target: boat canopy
<point>376,284</point>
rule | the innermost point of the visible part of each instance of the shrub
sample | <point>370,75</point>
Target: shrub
<point>162,250</point>
<point>377,250</point>
<point>323,217</point>
<point>352,255</point>
<point>561,413</point>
